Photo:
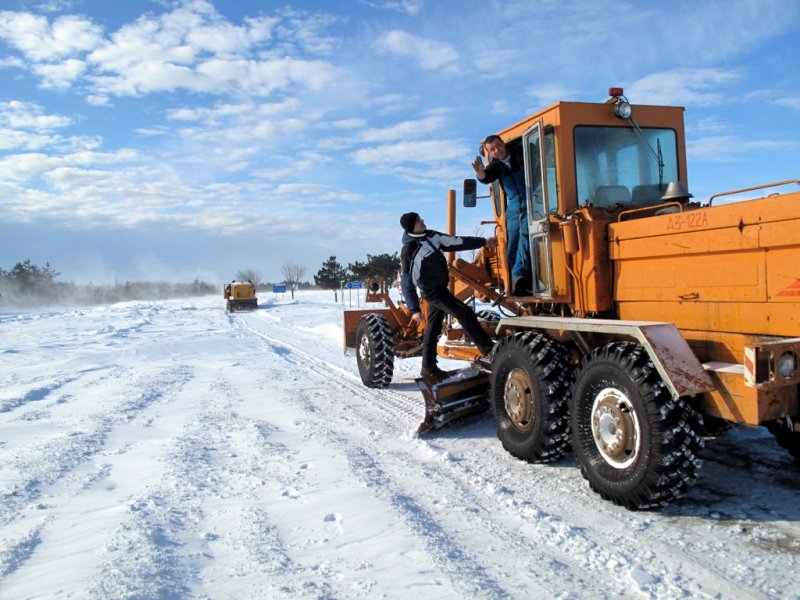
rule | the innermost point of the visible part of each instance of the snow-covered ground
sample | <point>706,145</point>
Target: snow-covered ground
<point>170,450</point>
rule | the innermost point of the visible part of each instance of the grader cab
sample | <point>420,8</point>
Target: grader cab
<point>650,311</point>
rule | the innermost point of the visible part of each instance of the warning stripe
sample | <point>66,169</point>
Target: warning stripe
<point>749,366</point>
<point>792,290</point>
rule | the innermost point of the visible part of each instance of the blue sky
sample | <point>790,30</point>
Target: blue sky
<point>148,139</point>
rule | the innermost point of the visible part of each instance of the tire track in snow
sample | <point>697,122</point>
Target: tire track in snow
<point>412,411</point>
<point>14,553</point>
<point>36,394</point>
<point>637,570</point>
<point>420,521</point>
<point>26,499</point>
<point>515,545</point>
<point>164,547</point>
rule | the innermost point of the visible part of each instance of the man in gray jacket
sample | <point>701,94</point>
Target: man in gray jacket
<point>423,265</point>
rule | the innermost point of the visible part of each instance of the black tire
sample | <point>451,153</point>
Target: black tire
<point>637,445</point>
<point>375,351</point>
<point>529,396</point>
<point>786,438</point>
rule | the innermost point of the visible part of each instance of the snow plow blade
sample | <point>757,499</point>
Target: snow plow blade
<point>462,393</point>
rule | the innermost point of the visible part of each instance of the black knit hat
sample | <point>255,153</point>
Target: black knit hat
<point>408,221</point>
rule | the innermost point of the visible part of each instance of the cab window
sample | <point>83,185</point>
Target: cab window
<point>620,166</point>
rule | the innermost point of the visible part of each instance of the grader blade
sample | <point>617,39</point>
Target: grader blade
<point>462,393</point>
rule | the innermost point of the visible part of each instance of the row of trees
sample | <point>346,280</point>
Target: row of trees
<point>27,284</point>
<point>28,276</point>
<point>333,275</point>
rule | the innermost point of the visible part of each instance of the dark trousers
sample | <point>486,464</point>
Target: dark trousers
<point>440,303</point>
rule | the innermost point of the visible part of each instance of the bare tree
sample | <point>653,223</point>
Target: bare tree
<point>293,275</point>
<point>250,275</point>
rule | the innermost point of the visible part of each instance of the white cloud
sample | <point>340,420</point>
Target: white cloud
<point>430,54</point>
<point>28,167</point>
<point>728,148</point>
<point>25,126</point>
<point>300,189</point>
<point>546,94</point>
<point>29,115</point>
<point>61,75</point>
<point>409,7</point>
<point>11,139</point>
<point>192,47</point>
<point>682,87</point>
<point>409,152</point>
<point>38,40</point>
<point>404,130</point>
<point>788,101</point>
<point>351,123</point>
<point>710,126</point>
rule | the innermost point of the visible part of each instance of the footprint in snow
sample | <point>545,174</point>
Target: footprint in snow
<point>336,519</point>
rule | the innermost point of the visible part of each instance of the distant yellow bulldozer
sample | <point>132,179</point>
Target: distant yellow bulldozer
<point>240,295</point>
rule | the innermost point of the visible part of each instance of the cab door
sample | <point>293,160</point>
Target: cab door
<point>538,221</point>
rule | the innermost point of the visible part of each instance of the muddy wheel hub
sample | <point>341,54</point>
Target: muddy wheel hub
<point>518,399</point>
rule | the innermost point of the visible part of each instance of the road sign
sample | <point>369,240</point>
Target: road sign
<point>354,285</point>
<point>278,289</point>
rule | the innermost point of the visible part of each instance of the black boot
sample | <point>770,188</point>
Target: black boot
<point>521,287</point>
<point>435,372</point>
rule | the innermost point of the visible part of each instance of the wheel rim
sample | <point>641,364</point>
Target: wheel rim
<point>615,428</point>
<point>518,399</point>
<point>364,351</point>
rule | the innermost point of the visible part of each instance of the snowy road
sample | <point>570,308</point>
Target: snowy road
<point>170,450</point>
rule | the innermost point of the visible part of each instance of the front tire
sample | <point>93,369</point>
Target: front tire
<point>375,351</point>
<point>637,446</point>
<point>529,397</point>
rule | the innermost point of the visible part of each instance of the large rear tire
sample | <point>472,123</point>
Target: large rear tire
<point>529,395</point>
<point>637,446</point>
<point>375,351</point>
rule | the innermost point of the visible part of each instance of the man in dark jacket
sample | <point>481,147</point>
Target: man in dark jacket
<point>506,164</point>
<point>423,265</point>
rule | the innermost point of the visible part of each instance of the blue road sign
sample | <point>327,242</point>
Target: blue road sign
<point>354,285</point>
<point>278,288</point>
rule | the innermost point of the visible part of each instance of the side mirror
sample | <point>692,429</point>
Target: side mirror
<point>470,193</point>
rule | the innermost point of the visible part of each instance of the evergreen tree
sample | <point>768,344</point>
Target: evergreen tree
<point>358,271</point>
<point>331,276</point>
<point>384,265</point>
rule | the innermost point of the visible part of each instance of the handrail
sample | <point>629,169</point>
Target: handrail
<point>653,207</point>
<point>750,189</point>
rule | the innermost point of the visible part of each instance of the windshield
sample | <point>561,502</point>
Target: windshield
<point>615,165</point>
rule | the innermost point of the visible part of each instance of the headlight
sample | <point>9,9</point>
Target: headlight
<point>786,364</point>
<point>623,110</point>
